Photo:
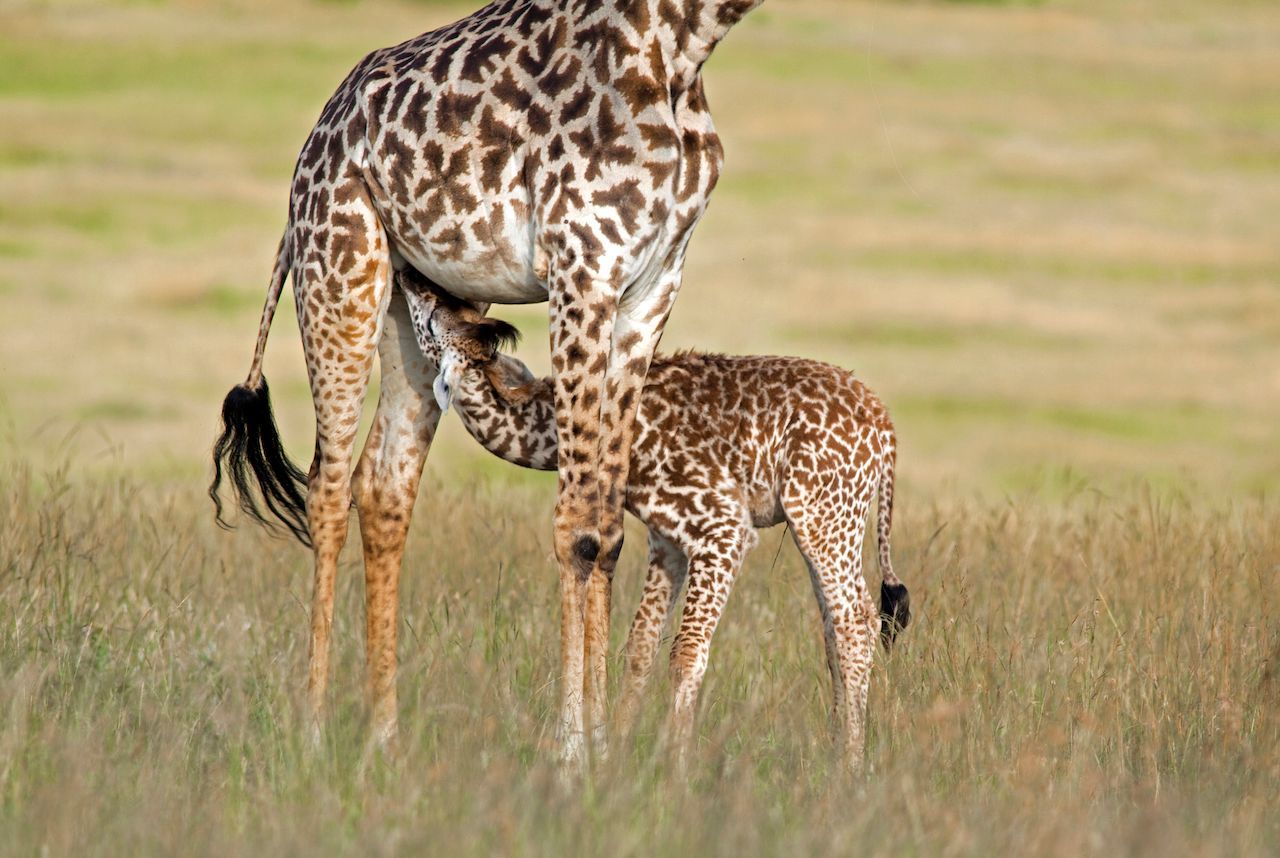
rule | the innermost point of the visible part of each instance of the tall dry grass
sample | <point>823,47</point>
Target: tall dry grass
<point>1084,677</point>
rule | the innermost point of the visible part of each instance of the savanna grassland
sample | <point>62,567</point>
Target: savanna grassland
<point>1045,232</point>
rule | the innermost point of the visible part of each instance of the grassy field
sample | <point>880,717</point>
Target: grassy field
<point>1045,232</point>
<point>1093,676</point>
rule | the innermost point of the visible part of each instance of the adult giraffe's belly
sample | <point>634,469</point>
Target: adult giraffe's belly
<point>488,257</point>
<point>459,217</point>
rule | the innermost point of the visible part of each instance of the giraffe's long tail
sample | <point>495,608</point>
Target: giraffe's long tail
<point>284,261</point>
<point>249,449</point>
<point>895,601</point>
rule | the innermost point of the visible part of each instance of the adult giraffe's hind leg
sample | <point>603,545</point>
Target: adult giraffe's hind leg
<point>385,487</point>
<point>341,278</point>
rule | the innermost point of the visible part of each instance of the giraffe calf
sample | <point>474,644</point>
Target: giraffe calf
<point>723,445</point>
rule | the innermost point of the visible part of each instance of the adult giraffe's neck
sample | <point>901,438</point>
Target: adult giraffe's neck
<point>511,414</point>
<point>707,22</point>
<point>687,30</point>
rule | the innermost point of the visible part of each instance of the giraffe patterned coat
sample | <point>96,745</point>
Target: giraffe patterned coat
<point>535,150</point>
<point>724,445</point>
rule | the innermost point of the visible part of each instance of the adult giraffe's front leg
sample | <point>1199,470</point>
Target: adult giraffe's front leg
<point>582,316</point>
<point>385,488</point>
<point>637,326</point>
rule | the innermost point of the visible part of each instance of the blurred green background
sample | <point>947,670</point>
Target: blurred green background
<point>1046,233</point>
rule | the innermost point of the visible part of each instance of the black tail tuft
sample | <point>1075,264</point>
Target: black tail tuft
<point>251,442</point>
<point>895,612</point>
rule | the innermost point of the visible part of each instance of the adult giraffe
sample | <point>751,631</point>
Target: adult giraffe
<point>538,150</point>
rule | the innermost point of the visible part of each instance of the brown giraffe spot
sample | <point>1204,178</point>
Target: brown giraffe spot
<point>578,106</point>
<point>535,57</point>
<point>443,60</point>
<point>560,76</point>
<point>640,90</point>
<point>399,158</point>
<point>350,191</point>
<point>454,111</point>
<point>335,157</point>
<point>599,145</point>
<point>394,108</point>
<point>499,139</point>
<point>658,136</point>
<point>417,112</point>
<point>626,199</point>
<point>319,212</point>
<point>450,242</point>
<point>567,195</point>
<point>349,242</point>
<point>609,229</point>
<point>590,246</point>
<point>608,45</point>
<point>555,148</point>
<point>636,13</point>
<point>430,210</point>
<point>484,56</point>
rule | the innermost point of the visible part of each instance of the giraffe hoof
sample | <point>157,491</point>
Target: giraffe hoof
<point>895,612</point>
<point>314,740</point>
<point>573,759</point>
<point>599,744</point>
<point>386,737</point>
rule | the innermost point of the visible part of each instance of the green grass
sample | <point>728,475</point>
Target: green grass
<point>1130,271</point>
<point>222,299</point>
<point>943,337</point>
<point>1135,423</point>
<point>1084,675</point>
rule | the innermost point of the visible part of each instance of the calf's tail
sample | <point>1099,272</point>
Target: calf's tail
<point>895,601</point>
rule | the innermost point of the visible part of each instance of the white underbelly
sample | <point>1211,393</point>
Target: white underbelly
<point>499,271</point>
<point>479,282</point>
